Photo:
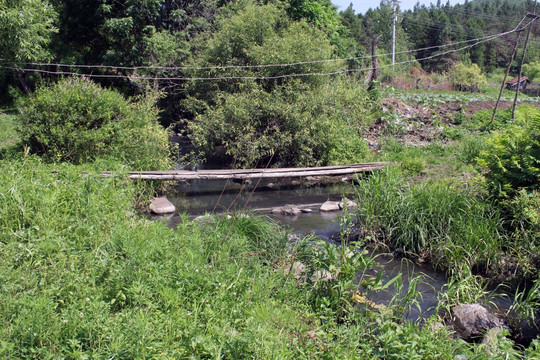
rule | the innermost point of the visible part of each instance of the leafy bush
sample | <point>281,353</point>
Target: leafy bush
<point>532,70</point>
<point>261,35</point>
<point>467,78</point>
<point>77,121</point>
<point>513,155</point>
<point>293,125</point>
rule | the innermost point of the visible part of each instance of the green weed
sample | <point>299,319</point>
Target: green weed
<point>8,130</point>
<point>439,219</point>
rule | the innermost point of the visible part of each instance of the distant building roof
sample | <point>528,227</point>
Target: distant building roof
<point>514,81</point>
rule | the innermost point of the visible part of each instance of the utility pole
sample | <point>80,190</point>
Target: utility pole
<point>534,17</point>
<point>394,18</point>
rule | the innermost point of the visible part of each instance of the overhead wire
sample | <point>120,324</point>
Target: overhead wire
<point>222,67</point>
<point>274,77</point>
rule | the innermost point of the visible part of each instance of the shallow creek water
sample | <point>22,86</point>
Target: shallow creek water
<point>200,197</point>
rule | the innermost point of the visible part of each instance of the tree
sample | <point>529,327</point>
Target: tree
<point>260,35</point>
<point>25,33</point>
<point>323,14</point>
<point>467,78</point>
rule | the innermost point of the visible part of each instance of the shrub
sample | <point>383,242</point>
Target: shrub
<point>293,126</point>
<point>467,78</point>
<point>532,70</point>
<point>77,121</point>
<point>513,155</point>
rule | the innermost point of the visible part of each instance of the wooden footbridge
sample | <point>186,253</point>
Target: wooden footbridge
<point>245,174</point>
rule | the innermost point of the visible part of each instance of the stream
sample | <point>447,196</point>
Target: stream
<point>196,198</point>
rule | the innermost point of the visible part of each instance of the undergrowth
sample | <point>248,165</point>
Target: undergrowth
<point>82,276</point>
<point>438,219</point>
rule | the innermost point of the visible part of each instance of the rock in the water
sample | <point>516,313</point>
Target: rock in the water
<point>161,205</point>
<point>330,206</point>
<point>350,204</point>
<point>306,210</point>
<point>472,320</point>
<point>289,210</point>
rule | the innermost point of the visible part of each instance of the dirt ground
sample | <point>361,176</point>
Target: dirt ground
<point>421,126</point>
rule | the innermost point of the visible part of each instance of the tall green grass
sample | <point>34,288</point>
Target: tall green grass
<point>82,277</point>
<point>439,219</point>
<point>8,130</point>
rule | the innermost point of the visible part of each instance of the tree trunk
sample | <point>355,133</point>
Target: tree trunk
<point>23,80</point>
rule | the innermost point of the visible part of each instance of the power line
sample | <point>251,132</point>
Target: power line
<point>218,67</point>
<point>135,77</point>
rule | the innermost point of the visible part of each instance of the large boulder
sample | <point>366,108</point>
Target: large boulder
<point>473,320</point>
<point>289,210</point>
<point>330,206</point>
<point>161,205</point>
<point>348,203</point>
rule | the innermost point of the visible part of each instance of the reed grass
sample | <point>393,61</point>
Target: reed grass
<point>438,219</point>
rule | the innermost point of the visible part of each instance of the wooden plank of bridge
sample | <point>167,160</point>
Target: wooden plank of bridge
<point>244,174</point>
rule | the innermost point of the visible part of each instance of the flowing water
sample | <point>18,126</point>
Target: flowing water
<point>218,196</point>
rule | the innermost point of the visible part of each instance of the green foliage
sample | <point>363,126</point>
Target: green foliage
<point>467,77</point>
<point>532,70</point>
<point>25,30</point>
<point>8,130</point>
<point>513,156</point>
<point>323,14</point>
<point>469,148</point>
<point>436,219</point>
<point>77,121</point>
<point>293,126</point>
<point>260,35</point>
<point>469,289</point>
<point>526,305</point>
<point>481,120</point>
<point>106,283</point>
<point>524,210</point>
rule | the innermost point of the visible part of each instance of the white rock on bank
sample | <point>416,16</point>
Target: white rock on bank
<point>350,204</point>
<point>330,206</point>
<point>161,205</point>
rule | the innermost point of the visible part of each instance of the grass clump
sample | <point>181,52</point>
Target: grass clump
<point>8,131</point>
<point>437,219</point>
